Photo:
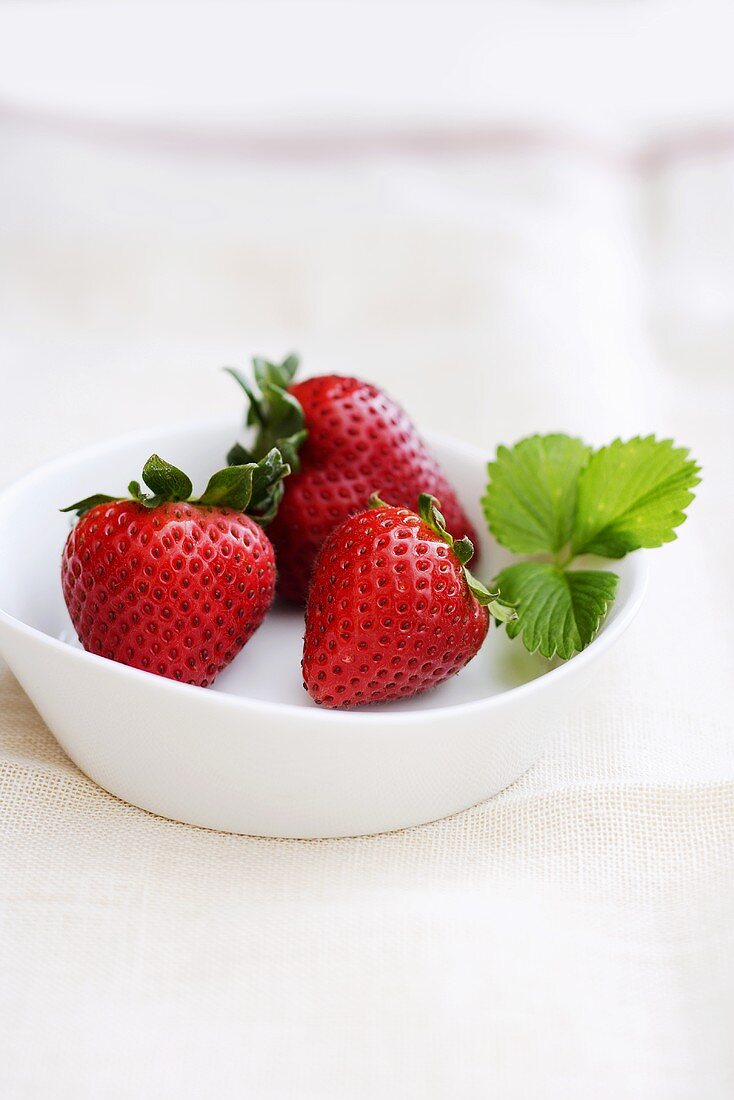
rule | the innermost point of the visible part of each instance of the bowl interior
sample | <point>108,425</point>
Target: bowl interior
<point>33,531</point>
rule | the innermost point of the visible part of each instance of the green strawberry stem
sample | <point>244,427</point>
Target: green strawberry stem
<point>429,509</point>
<point>255,488</point>
<point>272,410</point>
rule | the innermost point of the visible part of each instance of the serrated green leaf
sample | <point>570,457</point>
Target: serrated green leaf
<point>558,611</point>
<point>531,494</point>
<point>631,495</point>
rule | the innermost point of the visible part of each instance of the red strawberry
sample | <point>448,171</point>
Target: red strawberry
<point>343,438</point>
<point>392,609</point>
<point>173,585</point>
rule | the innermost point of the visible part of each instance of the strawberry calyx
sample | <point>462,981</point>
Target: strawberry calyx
<point>273,411</point>
<point>255,488</point>
<point>429,510</point>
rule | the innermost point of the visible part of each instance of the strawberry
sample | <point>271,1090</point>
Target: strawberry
<point>392,609</point>
<point>173,585</point>
<point>343,439</point>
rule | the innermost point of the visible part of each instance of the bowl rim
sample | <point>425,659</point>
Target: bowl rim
<point>550,679</point>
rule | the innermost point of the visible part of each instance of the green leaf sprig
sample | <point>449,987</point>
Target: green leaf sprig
<point>553,495</point>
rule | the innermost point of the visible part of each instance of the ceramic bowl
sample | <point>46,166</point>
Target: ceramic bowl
<point>253,754</point>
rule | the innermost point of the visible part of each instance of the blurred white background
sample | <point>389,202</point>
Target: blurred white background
<point>517,217</point>
<point>513,215</point>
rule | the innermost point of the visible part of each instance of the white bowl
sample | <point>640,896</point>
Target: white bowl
<point>253,754</point>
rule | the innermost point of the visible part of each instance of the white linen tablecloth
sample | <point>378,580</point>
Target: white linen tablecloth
<point>572,937</point>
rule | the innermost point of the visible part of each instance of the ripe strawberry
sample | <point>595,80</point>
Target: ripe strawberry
<point>173,585</point>
<point>343,439</point>
<point>392,609</point>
